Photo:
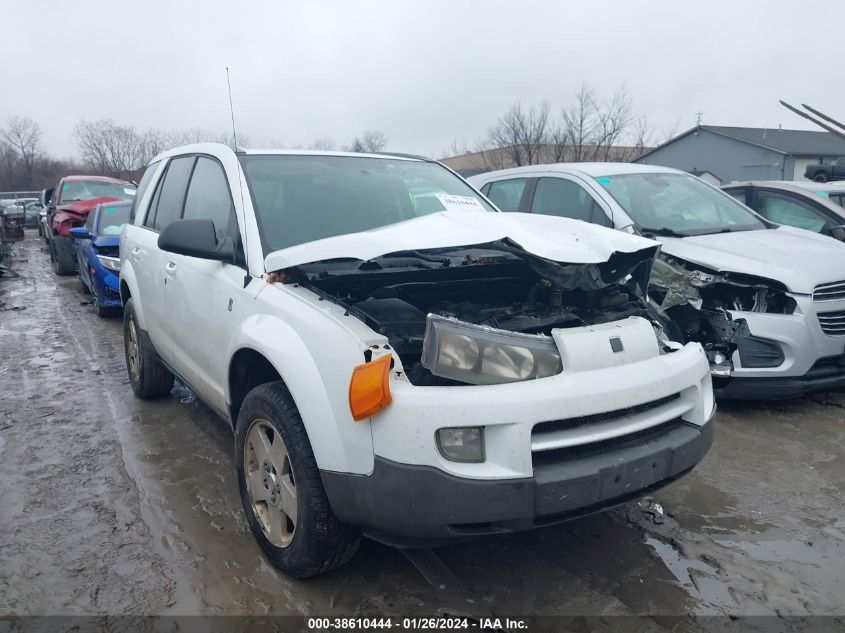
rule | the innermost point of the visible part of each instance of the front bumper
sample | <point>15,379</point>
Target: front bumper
<point>826,374</point>
<point>107,286</point>
<point>411,506</point>
<point>812,358</point>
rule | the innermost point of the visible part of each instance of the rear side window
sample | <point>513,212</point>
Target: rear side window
<point>566,199</point>
<point>506,194</point>
<point>142,188</point>
<point>170,194</point>
<point>208,196</point>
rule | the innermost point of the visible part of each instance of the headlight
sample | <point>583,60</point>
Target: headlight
<point>486,356</point>
<point>464,444</point>
<point>112,263</point>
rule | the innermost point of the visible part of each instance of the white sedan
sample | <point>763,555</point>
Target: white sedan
<point>767,301</point>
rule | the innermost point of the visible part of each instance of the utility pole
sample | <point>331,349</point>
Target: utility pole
<point>698,117</point>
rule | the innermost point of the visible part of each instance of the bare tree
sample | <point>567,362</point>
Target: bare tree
<point>521,133</point>
<point>325,144</point>
<point>370,141</point>
<point>23,135</point>
<point>152,143</point>
<point>109,148</point>
<point>580,123</point>
<point>643,136</point>
<point>614,117</point>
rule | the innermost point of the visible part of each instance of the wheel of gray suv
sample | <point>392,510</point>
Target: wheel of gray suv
<point>281,488</point>
<point>821,177</point>
<point>148,377</point>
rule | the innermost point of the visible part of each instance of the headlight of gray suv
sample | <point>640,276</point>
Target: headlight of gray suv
<point>481,355</point>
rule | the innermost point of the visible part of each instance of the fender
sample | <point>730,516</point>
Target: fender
<point>339,443</point>
<point>127,276</point>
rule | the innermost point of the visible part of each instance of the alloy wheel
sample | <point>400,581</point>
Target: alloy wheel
<point>270,482</point>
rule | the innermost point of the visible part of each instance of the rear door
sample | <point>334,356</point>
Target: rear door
<point>566,197</point>
<point>203,298</point>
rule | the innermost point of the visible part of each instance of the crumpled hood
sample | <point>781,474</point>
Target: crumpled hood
<point>799,259</point>
<point>557,239</point>
<point>83,207</point>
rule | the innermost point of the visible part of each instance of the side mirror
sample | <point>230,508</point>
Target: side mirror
<point>195,238</point>
<point>838,232</point>
<point>80,233</point>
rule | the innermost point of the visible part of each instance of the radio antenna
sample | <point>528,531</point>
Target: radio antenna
<point>247,274</point>
<point>232,111</point>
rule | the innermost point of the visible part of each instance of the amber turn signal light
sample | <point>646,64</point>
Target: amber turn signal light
<point>369,389</point>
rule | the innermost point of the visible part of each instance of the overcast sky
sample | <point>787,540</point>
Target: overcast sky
<point>424,73</point>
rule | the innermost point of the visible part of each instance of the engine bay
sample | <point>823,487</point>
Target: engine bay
<point>498,286</point>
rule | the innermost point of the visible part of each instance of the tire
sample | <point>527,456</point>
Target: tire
<point>820,177</point>
<point>314,541</point>
<point>61,254</point>
<point>104,313</point>
<point>148,377</point>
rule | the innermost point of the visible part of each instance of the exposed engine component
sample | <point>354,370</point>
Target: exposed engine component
<point>705,305</point>
<point>496,285</point>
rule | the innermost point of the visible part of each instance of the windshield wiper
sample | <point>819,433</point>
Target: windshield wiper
<point>663,230</point>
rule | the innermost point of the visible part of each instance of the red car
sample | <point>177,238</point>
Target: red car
<point>68,206</point>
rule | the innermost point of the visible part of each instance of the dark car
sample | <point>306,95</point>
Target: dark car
<point>805,205</point>
<point>824,173</point>
<point>32,209</point>
<point>97,249</point>
<point>69,204</point>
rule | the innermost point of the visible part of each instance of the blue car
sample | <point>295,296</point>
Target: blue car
<point>97,249</point>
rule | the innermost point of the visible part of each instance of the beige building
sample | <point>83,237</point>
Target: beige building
<point>502,158</point>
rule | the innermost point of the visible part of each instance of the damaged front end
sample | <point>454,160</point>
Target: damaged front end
<point>707,306</point>
<point>482,314</point>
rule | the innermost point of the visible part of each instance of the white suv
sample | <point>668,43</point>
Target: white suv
<point>395,356</point>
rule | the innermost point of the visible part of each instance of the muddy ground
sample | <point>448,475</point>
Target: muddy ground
<point>113,505</point>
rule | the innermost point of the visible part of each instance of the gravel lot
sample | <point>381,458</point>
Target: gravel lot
<point>113,505</point>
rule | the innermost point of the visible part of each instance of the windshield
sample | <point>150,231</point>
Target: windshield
<point>112,218</point>
<point>678,204</point>
<point>86,190</point>
<point>300,199</point>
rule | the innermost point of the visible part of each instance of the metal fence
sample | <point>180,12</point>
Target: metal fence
<point>14,195</point>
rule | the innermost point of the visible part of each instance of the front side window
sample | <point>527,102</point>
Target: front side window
<point>167,202</point>
<point>77,190</point>
<point>208,196</point>
<point>506,194</point>
<point>782,209</point>
<point>300,199</point>
<point>669,203</point>
<point>146,179</point>
<point>566,199</point>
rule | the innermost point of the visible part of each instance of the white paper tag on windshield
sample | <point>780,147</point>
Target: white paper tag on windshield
<point>459,203</point>
<point>128,192</point>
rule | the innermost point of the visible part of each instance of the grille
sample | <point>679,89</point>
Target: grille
<point>829,292</point>
<point>638,438</point>
<point>833,323</point>
<point>601,418</point>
